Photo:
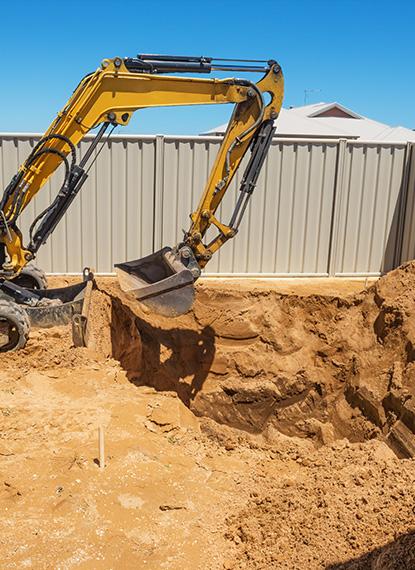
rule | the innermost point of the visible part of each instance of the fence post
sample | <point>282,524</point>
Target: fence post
<point>158,192</point>
<point>404,249</point>
<point>337,206</point>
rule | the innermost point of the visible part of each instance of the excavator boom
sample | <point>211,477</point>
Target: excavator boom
<point>109,97</point>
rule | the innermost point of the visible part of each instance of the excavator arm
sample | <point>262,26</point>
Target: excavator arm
<point>109,97</point>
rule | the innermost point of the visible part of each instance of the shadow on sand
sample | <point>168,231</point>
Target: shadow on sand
<point>176,359</point>
<point>396,555</point>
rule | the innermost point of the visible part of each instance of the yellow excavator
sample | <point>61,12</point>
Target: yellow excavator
<point>104,99</point>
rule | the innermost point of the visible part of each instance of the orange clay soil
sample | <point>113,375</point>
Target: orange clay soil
<point>271,427</point>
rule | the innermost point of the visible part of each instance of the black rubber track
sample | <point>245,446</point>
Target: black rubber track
<point>31,277</point>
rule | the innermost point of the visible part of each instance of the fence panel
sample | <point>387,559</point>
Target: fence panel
<point>113,217</point>
<point>371,201</point>
<point>303,218</point>
<point>286,229</point>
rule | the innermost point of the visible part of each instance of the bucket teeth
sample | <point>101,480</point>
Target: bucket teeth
<point>160,281</point>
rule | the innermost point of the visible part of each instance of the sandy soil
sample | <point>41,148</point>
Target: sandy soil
<point>271,427</point>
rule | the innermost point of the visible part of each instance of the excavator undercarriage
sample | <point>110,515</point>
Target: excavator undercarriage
<point>164,280</point>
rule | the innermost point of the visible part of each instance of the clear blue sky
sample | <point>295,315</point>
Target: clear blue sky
<point>359,53</point>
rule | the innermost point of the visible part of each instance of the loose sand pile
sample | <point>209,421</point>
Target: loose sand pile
<point>265,429</point>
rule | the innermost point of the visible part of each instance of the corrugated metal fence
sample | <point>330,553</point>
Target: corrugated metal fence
<point>321,207</point>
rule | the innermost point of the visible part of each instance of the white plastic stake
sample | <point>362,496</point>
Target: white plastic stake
<point>101,447</point>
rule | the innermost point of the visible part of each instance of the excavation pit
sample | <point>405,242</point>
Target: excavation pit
<point>323,367</point>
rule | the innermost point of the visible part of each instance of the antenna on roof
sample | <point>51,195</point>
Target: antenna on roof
<point>307,92</point>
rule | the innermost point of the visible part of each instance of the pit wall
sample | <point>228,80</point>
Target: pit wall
<point>322,207</point>
<point>322,367</point>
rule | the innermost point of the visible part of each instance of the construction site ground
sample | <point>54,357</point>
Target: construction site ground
<point>271,427</point>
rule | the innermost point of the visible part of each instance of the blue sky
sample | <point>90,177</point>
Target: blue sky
<point>359,53</point>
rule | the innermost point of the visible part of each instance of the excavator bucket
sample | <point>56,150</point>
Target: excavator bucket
<point>160,281</point>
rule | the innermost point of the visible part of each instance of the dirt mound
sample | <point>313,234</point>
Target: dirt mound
<point>48,349</point>
<point>303,402</point>
<point>314,514</point>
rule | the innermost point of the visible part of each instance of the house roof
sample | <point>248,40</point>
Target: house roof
<point>315,109</point>
<point>305,122</point>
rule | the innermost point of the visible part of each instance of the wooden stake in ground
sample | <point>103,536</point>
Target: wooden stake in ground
<point>101,447</point>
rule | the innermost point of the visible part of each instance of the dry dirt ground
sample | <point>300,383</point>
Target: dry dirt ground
<point>271,427</point>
